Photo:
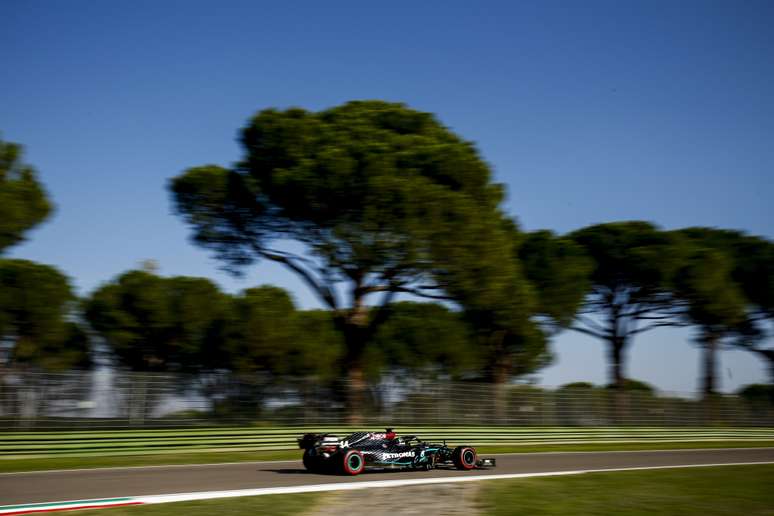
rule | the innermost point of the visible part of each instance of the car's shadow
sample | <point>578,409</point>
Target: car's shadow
<point>288,471</point>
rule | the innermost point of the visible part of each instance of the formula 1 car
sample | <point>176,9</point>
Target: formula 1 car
<point>326,453</point>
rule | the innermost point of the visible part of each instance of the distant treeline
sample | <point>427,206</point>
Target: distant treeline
<point>383,202</point>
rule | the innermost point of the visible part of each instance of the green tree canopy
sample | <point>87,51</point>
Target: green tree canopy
<point>426,337</point>
<point>36,304</point>
<point>714,300</point>
<point>371,193</point>
<point>580,386</point>
<point>263,331</point>
<point>757,394</point>
<point>559,270</point>
<point>153,323</point>
<point>748,268</point>
<point>319,346</point>
<point>632,385</point>
<point>714,303</point>
<point>482,273</point>
<point>633,265</point>
<point>23,201</point>
<point>752,263</point>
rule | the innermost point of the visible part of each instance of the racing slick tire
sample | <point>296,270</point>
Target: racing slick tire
<point>311,462</point>
<point>352,462</point>
<point>464,457</point>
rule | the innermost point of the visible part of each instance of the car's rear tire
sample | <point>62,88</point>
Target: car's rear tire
<point>352,462</point>
<point>464,457</point>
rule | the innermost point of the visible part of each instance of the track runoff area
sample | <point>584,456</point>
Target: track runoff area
<point>48,491</point>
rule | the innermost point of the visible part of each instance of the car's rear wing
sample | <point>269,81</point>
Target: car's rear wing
<point>308,441</point>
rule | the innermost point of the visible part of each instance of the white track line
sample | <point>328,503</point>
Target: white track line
<point>398,483</point>
<point>342,486</point>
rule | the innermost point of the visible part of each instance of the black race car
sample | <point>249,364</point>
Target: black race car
<point>326,453</point>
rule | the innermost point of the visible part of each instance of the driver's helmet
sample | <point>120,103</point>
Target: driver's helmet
<point>391,434</point>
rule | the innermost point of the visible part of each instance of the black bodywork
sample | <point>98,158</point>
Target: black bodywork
<point>326,453</point>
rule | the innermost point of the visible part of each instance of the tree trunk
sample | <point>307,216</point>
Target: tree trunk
<point>356,389</point>
<point>709,364</point>
<point>500,366</point>
<point>500,374</point>
<point>355,337</point>
<point>709,368</point>
<point>617,378</point>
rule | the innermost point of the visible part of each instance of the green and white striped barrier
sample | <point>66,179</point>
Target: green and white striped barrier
<point>17,445</point>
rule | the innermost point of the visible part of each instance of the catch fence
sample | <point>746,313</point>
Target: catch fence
<point>114,399</point>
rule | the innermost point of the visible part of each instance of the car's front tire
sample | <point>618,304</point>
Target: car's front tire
<point>464,457</point>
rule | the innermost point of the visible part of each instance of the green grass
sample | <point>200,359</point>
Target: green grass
<point>716,491</point>
<point>279,505</point>
<point>39,464</point>
<point>713,491</point>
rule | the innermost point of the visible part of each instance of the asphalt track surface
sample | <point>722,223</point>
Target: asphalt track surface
<point>50,486</point>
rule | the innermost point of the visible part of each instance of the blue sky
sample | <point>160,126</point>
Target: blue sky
<point>588,111</point>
